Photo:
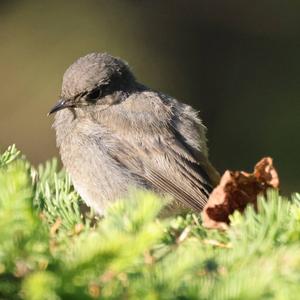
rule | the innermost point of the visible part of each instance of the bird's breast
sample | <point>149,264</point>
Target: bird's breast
<point>86,153</point>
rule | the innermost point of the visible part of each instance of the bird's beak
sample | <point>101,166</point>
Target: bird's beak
<point>61,104</point>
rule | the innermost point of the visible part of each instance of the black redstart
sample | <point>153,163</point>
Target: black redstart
<point>114,133</point>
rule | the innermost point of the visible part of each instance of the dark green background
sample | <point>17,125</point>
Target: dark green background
<point>238,62</point>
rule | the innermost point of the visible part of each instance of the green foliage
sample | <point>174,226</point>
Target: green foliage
<point>52,247</point>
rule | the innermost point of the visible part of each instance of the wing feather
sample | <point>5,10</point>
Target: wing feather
<point>169,166</point>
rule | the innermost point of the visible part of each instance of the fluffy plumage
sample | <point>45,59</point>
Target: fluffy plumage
<point>115,133</point>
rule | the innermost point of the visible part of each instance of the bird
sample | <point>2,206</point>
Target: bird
<point>115,133</point>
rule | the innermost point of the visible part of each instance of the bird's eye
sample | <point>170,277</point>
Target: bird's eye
<point>93,95</point>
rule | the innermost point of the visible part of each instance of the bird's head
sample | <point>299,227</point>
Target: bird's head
<point>93,80</point>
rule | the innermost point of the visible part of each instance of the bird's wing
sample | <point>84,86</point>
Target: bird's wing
<point>167,163</point>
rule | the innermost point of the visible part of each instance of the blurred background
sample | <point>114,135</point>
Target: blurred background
<point>238,62</point>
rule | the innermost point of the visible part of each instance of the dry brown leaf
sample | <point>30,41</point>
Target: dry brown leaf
<point>22,269</point>
<point>94,290</point>
<point>54,228</point>
<point>236,190</point>
<point>78,228</point>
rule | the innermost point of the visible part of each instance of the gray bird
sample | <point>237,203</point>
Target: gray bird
<point>114,133</point>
